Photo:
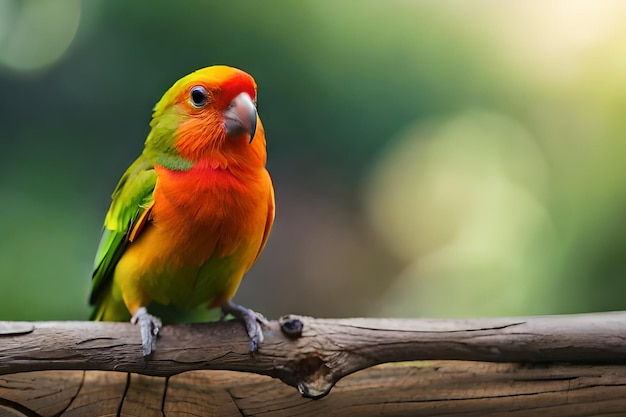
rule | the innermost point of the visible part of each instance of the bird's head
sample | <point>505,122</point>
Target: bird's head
<point>208,113</point>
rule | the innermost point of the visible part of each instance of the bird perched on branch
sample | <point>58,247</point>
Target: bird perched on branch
<point>192,214</point>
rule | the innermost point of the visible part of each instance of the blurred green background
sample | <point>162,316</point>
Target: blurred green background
<point>430,158</point>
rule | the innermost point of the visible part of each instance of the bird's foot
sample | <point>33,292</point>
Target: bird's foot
<point>252,320</point>
<point>149,326</point>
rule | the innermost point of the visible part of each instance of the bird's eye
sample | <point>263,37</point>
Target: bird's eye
<point>198,96</point>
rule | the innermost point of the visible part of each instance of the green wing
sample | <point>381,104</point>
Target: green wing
<point>132,201</point>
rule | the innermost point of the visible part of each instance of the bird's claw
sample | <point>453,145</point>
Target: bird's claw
<point>149,326</point>
<point>251,319</point>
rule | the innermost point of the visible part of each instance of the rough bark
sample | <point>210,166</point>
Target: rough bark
<point>313,354</point>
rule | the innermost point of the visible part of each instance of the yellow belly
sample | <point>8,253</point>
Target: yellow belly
<point>184,274</point>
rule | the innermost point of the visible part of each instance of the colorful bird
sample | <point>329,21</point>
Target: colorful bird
<point>192,214</point>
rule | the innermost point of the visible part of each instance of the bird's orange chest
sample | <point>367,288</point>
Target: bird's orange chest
<point>205,211</point>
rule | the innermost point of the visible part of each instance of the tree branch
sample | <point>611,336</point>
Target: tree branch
<point>312,354</point>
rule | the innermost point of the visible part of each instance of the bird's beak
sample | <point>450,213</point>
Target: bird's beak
<point>240,117</point>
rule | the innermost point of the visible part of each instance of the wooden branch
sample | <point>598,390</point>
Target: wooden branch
<point>312,354</point>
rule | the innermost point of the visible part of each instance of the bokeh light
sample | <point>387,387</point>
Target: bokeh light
<point>461,201</point>
<point>36,33</point>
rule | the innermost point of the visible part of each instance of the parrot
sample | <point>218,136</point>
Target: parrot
<point>194,211</point>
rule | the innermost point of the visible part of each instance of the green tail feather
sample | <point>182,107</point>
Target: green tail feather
<point>109,308</point>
